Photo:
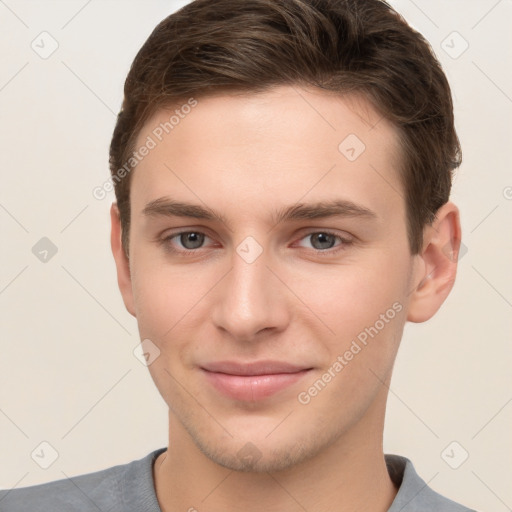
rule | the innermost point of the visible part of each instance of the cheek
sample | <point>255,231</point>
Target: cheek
<point>160,296</point>
<point>361,358</point>
<point>170,302</point>
<point>350,298</point>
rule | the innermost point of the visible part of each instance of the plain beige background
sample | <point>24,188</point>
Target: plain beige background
<point>68,375</point>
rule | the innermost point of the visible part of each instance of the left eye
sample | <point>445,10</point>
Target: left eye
<point>190,239</point>
<point>323,240</point>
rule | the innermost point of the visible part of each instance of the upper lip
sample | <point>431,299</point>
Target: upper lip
<point>252,368</point>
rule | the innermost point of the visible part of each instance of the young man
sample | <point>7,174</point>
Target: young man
<point>282,173</point>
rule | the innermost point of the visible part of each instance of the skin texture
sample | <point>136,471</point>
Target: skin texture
<point>247,157</point>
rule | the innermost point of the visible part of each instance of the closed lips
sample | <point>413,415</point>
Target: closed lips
<point>252,381</point>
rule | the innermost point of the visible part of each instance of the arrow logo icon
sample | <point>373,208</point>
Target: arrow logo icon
<point>146,352</point>
<point>454,455</point>
<point>454,45</point>
<point>44,455</point>
<point>351,147</point>
<point>249,249</point>
<point>44,250</point>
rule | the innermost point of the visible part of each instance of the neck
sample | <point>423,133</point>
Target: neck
<point>337,479</point>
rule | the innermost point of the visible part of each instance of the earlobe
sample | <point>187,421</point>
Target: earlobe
<point>437,264</point>
<point>122,263</point>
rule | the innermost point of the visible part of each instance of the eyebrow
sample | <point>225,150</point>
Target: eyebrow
<point>167,207</point>
<point>323,209</point>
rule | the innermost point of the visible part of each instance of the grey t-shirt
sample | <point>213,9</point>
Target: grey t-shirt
<point>130,488</point>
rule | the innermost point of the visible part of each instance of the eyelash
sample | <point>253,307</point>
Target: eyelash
<point>326,252</point>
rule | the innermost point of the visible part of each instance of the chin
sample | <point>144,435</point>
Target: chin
<point>262,454</point>
<point>250,459</point>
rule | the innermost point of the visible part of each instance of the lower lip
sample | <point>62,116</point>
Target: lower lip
<point>252,387</point>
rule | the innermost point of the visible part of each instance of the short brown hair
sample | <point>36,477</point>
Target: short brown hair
<point>345,46</point>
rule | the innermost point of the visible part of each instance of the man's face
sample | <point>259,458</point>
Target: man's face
<point>276,334</point>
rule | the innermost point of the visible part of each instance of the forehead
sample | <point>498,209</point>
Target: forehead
<point>269,148</point>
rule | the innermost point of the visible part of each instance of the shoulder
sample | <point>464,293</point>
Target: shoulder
<point>414,494</point>
<point>108,489</point>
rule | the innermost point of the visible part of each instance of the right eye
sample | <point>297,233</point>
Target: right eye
<point>188,241</point>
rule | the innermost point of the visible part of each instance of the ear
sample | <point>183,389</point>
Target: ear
<point>122,262</point>
<point>437,264</point>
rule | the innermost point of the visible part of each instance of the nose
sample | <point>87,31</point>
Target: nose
<point>251,300</point>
